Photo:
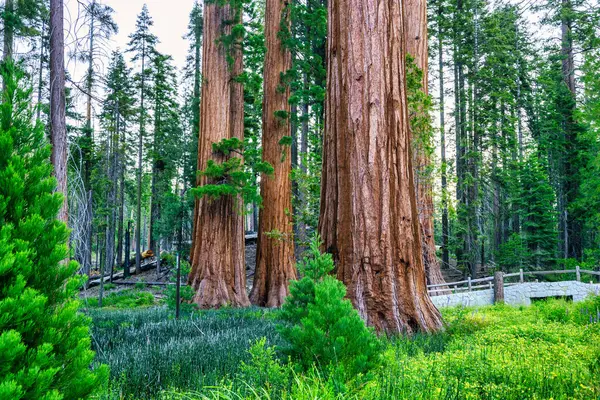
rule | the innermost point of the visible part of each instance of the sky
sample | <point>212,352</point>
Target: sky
<point>171,18</point>
<point>170,23</point>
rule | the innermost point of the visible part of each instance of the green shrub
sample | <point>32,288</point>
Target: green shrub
<point>582,313</point>
<point>264,369</point>
<point>321,326</point>
<point>186,292</point>
<point>124,299</point>
<point>44,341</point>
<point>168,259</point>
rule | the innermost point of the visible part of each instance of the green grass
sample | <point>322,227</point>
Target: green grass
<point>125,299</point>
<point>547,351</point>
<point>149,351</point>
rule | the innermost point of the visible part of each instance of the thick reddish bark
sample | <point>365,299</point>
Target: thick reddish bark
<point>218,273</point>
<point>369,217</point>
<point>58,123</point>
<point>275,254</point>
<point>416,45</point>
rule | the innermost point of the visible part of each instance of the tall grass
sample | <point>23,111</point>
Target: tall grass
<point>148,351</point>
<point>547,351</point>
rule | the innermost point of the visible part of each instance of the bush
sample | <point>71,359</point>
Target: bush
<point>264,369</point>
<point>124,299</point>
<point>44,341</point>
<point>322,327</point>
<point>168,260</point>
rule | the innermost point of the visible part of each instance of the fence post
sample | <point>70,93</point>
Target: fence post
<point>578,273</point>
<point>470,286</point>
<point>498,287</point>
<point>521,276</point>
<point>178,287</point>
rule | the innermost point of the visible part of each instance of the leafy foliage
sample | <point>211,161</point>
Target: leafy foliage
<point>44,341</point>
<point>230,177</point>
<point>323,328</point>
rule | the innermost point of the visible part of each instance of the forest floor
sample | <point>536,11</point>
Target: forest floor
<point>550,350</point>
<point>166,275</point>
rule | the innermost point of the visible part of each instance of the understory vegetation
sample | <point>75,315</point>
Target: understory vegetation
<point>547,351</point>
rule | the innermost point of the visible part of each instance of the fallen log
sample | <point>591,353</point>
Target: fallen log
<point>147,264</point>
<point>148,283</point>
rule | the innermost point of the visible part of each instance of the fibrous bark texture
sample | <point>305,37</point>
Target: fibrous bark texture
<point>275,254</point>
<point>218,273</point>
<point>58,123</point>
<point>416,45</point>
<point>369,217</point>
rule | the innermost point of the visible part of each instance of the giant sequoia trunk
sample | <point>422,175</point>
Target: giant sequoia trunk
<point>416,45</point>
<point>58,123</point>
<point>369,218</point>
<point>218,272</point>
<point>275,255</point>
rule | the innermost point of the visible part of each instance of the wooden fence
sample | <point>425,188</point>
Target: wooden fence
<point>491,282</point>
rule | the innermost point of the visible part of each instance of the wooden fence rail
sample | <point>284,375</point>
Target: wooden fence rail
<point>498,279</point>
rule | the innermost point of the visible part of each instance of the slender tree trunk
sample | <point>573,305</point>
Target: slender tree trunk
<point>573,236</point>
<point>127,250</point>
<point>9,29</point>
<point>369,219</point>
<point>58,123</point>
<point>41,71</point>
<point>196,123</point>
<point>445,230</point>
<point>90,76</point>
<point>304,156</point>
<point>416,45</point>
<point>496,212</point>
<point>121,221</point>
<point>275,264</point>
<point>88,211</point>
<point>138,236</point>
<point>153,202</point>
<point>218,273</point>
<point>110,201</point>
<point>474,159</point>
<point>97,263</point>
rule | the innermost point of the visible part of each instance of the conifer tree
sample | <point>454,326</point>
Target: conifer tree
<point>307,80</point>
<point>141,44</point>
<point>44,339</point>
<point>165,151</point>
<point>192,72</point>
<point>101,27</point>
<point>116,117</point>
<point>21,18</point>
